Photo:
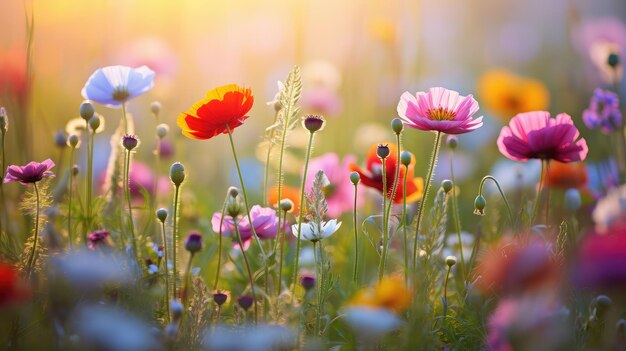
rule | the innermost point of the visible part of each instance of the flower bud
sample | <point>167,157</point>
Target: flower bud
<point>479,205</point>
<point>405,158</point>
<point>447,185</point>
<point>277,106</point>
<point>355,178</point>
<point>171,331</point>
<point>4,120</point>
<point>233,192</point>
<point>382,151</point>
<point>161,130</point>
<point>602,303</point>
<point>286,205</point>
<point>155,108</point>
<point>73,140</point>
<point>613,60</point>
<point>233,206</point>
<point>60,138</point>
<point>397,126</point>
<point>75,170</point>
<point>176,309</point>
<point>572,201</point>
<point>220,298</point>
<point>452,141</point>
<point>313,123</point>
<point>193,243</point>
<point>245,301</point>
<point>94,123</point>
<point>450,261</point>
<point>621,326</point>
<point>307,281</point>
<point>177,173</point>
<point>130,142</point>
<point>161,214</point>
<point>87,110</point>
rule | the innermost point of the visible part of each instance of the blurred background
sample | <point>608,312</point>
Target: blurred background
<point>357,57</point>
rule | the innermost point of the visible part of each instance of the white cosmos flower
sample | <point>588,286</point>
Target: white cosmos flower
<point>312,232</point>
<point>114,85</point>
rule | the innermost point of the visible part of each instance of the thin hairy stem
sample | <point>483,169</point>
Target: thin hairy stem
<point>175,239</point>
<point>356,238</point>
<point>539,191</point>
<point>266,175</point>
<point>404,225</point>
<point>167,269</point>
<point>89,189</point>
<point>383,256</point>
<point>280,260</point>
<point>455,213</point>
<point>125,118</point>
<point>70,192</point>
<point>31,259</point>
<point>128,201</point>
<point>187,279</point>
<point>506,202</point>
<point>245,260</point>
<point>219,250</point>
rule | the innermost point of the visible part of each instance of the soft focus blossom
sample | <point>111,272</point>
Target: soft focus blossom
<point>602,258</point>
<point>371,323</point>
<point>14,83</point>
<point>514,265</point>
<point>536,135</point>
<point>506,94</point>
<point>142,178</point>
<point>77,125</point>
<point>514,175</point>
<point>603,112</point>
<point>315,232</point>
<point>566,175</point>
<point>610,209</point>
<point>286,192</point>
<point>222,108</point>
<point>152,52</point>
<point>264,222</point>
<point>90,271</point>
<point>452,246</point>
<point>31,173</point>
<point>97,238</point>
<point>340,191</point>
<point>372,175</point>
<point>263,337</point>
<point>603,176</point>
<point>12,288</point>
<point>390,293</point>
<point>112,86</point>
<point>321,100</point>
<point>439,110</point>
<point>599,37</point>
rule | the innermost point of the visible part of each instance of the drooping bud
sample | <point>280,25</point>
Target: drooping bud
<point>245,301</point>
<point>313,123</point>
<point>73,140</point>
<point>87,110</point>
<point>177,173</point>
<point>286,205</point>
<point>162,130</point>
<point>450,261</point>
<point>446,185</point>
<point>130,142</point>
<point>161,214</point>
<point>193,243</point>
<point>452,141</point>
<point>60,138</point>
<point>382,151</point>
<point>355,178</point>
<point>479,205</point>
<point>155,108</point>
<point>405,158</point>
<point>397,125</point>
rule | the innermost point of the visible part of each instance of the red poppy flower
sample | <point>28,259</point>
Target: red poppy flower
<point>12,288</point>
<point>223,108</point>
<point>566,175</point>
<point>372,176</point>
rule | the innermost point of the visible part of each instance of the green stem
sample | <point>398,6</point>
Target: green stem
<point>280,261</point>
<point>266,175</point>
<point>69,202</point>
<point>245,260</point>
<point>383,256</point>
<point>506,202</point>
<point>187,276</point>
<point>167,274</point>
<point>175,239</point>
<point>396,178</point>
<point>318,289</point>
<point>89,189</point>
<point>125,118</point>
<point>455,213</point>
<point>219,251</point>
<point>301,214</point>
<point>420,214</point>
<point>356,238</point>
<point>547,193</point>
<point>128,200</point>
<point>445,292</point>
<point>404,224</point>
<point>539,191</point>
<point>3,214</point>
<point>31,259</point>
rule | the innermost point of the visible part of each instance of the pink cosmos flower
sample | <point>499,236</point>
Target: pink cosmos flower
<point>31,173</point>
<point>439,110</point>
<point>340,191</point>
<point>536,135</point>
<point>264,220</point>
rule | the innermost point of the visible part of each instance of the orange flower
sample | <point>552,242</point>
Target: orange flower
<point>566,175</point>
<point>372,175</point>
<point>286,192</point>
<point>222,108</point>
<point>390,293</point>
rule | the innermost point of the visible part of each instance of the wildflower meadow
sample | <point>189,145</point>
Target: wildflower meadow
<point>312,175</point>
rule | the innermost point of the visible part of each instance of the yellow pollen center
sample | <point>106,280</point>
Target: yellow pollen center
<point>441,114</point>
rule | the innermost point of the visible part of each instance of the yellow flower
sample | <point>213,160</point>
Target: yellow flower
<point>390,293</point>
<point>506,94</point>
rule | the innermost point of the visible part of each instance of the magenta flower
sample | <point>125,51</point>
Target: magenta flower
<point>603,112</point>
<point>340,192</point>
<point>439,110</point>
<point>31,173</point>
<point>96,238</point>
<point>601,259</point>
<point>536,135</point>
<point>142,177</point>
<point>264,221</point>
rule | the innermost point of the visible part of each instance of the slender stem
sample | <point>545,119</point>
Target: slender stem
<point>167,269</point>
<point>175,239</point>
<point>128,200</point>
<point>547,192</point>
<point>506,202</point>
<point>420,214</point>
<point>245,260</point>
<point>318,288</point>
<point>89,189</point>
<point>187,276</point>
<point>445,292</point>
<point>70,192</point>
<point>383,256</point>
<point>455,213</point>
<point>280,261</point>
<point>356,238</point>
<point>3,214</point>
<point>404,224</point>
<point>396,177</point>
<point>124,118</point>
<point>539,192</point>
<point>31,259</point>
<point>245,196</point>
<point>301,214</point>
<point>219,250</point>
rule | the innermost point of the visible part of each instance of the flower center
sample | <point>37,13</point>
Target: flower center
<point>120,94</point>
<point>441,114</point>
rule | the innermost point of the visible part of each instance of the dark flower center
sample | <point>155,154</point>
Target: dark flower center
<point>120,94</point>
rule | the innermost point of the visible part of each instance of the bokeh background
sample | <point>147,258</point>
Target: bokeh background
<point>357,58</point>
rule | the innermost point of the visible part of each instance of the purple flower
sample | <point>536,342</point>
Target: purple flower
<point>322,100</point>
<point>264,221</point>
<point>193,243</point>
<point>31,173</point>
<point>597,38</point>
<point>141,176</point>
<point>340,192</point>
<point>112,86</point>
<point>603,112</point>
<point>96,238</point>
